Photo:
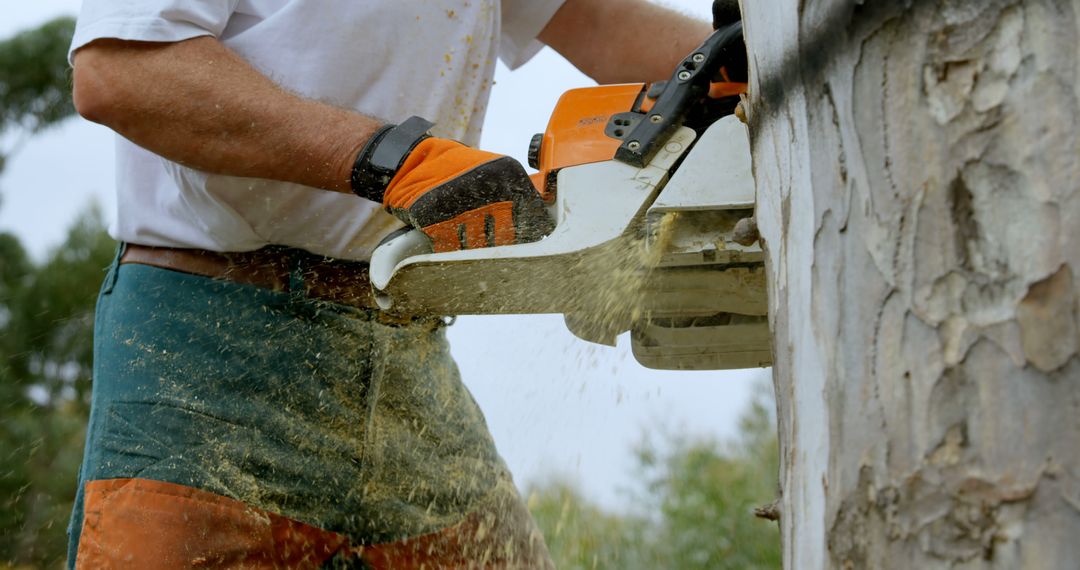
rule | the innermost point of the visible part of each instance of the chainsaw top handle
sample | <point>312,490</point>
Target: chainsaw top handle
<point>689,83</point>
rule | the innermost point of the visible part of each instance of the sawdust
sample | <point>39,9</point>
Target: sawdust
<point>614,297</point>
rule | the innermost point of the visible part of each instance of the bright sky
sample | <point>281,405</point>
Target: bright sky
<point>556,405</point>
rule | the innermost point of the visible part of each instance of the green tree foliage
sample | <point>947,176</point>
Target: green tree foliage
<point>45,321</point>
<point>46,328</point>
<point>695,509</point>
<point>706,494</point>
<point>35,84</point>
<point>581,535</point>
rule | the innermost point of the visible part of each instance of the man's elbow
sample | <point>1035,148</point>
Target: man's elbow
<point>97,98</point>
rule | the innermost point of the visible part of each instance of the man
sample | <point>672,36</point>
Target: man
<point>251,408</point>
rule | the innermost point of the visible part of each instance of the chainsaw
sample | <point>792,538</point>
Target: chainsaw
<point>650,187</point>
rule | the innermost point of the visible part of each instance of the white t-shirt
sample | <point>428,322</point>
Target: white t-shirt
<point>387,58</point>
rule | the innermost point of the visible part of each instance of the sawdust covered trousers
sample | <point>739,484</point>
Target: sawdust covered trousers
<point>238,427</point>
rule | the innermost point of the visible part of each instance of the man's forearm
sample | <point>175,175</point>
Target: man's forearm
<point>199,104</point>
<point>623,41</point>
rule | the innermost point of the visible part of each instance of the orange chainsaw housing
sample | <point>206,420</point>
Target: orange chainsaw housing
<point>575,134</point>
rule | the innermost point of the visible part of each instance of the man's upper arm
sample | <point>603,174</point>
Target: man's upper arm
<point>573,32</point>
<point>621,41</point>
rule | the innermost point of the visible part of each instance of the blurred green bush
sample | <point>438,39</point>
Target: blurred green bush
<point>694,509</point>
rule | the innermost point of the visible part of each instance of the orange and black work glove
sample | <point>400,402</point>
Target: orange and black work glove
<point>460,197</point>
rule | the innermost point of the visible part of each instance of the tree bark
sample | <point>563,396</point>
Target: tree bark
<point>918,165</point>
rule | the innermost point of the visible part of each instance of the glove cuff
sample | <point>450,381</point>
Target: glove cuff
<point>384,154</point>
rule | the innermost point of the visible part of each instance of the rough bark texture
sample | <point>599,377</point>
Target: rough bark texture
<point>918,169</point>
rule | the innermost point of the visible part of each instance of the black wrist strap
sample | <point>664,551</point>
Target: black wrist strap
<point>384,154</point>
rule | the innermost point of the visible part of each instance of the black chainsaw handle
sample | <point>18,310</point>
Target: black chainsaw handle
<point>688,84</point>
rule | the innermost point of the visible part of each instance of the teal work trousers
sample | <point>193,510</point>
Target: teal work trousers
<point>318,412</point>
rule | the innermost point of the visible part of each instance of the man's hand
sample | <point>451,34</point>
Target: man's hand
<point>460,197</point>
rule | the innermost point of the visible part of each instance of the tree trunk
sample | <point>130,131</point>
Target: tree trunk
<point>917,167</point>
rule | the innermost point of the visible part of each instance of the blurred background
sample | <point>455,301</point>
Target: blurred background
<point>624,467</point>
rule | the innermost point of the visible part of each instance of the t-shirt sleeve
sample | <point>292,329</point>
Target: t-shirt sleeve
<point>150,20</point>
<point>522,21</point>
